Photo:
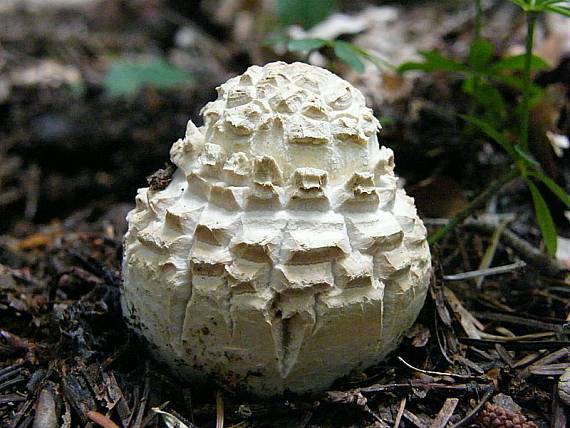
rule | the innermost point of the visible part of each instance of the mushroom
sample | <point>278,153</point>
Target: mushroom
<point>282,255</point>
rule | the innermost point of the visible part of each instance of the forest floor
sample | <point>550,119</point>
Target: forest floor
<point>76,142</point>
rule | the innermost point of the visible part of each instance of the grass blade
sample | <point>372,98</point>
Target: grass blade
<point>554,188</point>
<point>305,45</point>
<point>544,219</point>
<point>346,53</point>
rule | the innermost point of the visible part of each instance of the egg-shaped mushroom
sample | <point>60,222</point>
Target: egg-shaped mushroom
<point>281,255</point>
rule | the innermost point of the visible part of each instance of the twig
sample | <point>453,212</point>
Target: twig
<point>504,354</point>
<point>101,419</point>
<point>219,410</point>
<point>356,399</point>
<point>476,410</point>
<point>522,321</point>
<point>137,423</point>
<point>475,204</point>
<point>545,264</point>
<point>417,385</point>
<point>435,373</point>
<point>523,345</point>
<point>531,21</point>
<point>46,412</point>
<point>400,413</point>
<point>414,419</point>
<point>550,369</point>
<point>490,252</point>
<point>445,413</point>
<point>546,360</point>
<point>10,371</point>
<point>485,272</point>
<point>559,419</point>
<point>12,398</point>
<point>155,411</point>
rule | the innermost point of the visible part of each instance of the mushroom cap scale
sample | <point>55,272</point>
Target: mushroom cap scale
<point>282,255</point>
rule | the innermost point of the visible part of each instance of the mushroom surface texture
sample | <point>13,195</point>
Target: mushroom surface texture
<point>281,255</point>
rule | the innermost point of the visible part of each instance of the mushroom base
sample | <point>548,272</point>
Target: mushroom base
<point>268,359</point>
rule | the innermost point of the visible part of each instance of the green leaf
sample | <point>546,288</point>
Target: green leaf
<point>515,82</point>
<point>470,85</point>
<point>544,219</point>
<point>560,10</point>
<point>525,156</point>
<point>480,53</point>
<point>433,61</point>
<point>488,98</point>
<point>536,94</point>
<point>544,3</point>
<point>516,63</point>
<point>550,2</point>
<point>276,39</point>
<point>306,13</point>
<point>412,66</point>
<point>346,52</point>
<point>437,61</point>
<point>379,62</point>
<point>127,77</point>
<point>305,45</point>
<point>491,132</point>
<point>521,3</point>
<point>554,188</point>
<point>537,6</point>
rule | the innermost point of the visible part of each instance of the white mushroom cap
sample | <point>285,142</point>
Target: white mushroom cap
<point>281,256</point>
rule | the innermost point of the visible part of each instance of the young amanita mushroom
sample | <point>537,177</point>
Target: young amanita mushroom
<point>282,255</point>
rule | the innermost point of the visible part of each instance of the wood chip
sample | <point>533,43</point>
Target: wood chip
<point>445,413</point>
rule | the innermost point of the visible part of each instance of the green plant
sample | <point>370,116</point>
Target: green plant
<point>490,113</point>
<point>532,9</point>
<point>481,74</point>
<point>127,77</point>
<point>348,53</point>
<point>306,13</point>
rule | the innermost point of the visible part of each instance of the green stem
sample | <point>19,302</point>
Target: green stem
<point>531,20</point>
<point>478,19</point>
<point>476,76</point>
<point>479,200</point>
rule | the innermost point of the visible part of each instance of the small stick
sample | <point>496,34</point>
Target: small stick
<point>546,360</point>
<point>445,413</point>
<point>491,250</point>
<point>533,256</point>
<point>523,345</point>
<point>219,410</point>
<point>435,373</point>
<point>485,272</point>
<point>400,413</point>
<point>414,419</point>
<point>101,419</point>
<point>416,385</point>
<point>519,320</point>
<point>476,410</point>
<point>475,204</point>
